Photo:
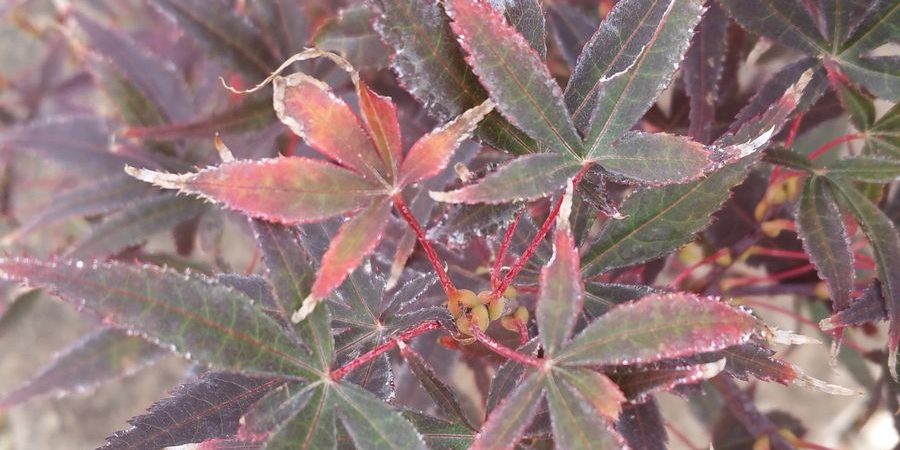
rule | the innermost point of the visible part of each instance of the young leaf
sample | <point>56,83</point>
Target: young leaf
<point>514,75</point>
<point>576,424</point>
<point>356,239</point>
<point>871,170</point>
<point>191,314</point>
<point>507,422</point>
<point>703,65</point>
<point>380,118</point>
<point>524,178</point>
<point>134,223</point>
<point>312,111</point>
<point>102,356</point>
<point>371,423</point>
<point>657,327</point>
<point>430,65</point>
<point>431,153</point>
<point>660,220</point>
<point>655,158</point>
<point>624,96</point>
<point>287,190</point>
<point>562,293</point>
<point>885,243</point>
<point>820,225</point>
<point>207,408</point>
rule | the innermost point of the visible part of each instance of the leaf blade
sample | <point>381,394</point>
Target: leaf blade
<point>656,327</point>
<point>371,423</point>
<point>507,422</point>
<point>575,424</point>
<point>655,158</point>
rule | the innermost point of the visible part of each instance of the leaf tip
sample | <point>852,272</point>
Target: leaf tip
<point>309,304</point>
<point>160,179</point>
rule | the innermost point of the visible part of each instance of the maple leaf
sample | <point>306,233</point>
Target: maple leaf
<point>365,172</point>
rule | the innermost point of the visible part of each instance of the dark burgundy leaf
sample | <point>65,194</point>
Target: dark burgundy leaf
<point>642,426</point>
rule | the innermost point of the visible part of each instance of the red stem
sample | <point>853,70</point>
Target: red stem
<point>776,276</point>
<point>505,351</point>
<point>387,346</point>
<point>504,246</point>
<point>686,272</point>
<point>535,243</point>
<point>446,282</point>
<point>787,254</point>
<point>523,332</point>
<point>834,143</point>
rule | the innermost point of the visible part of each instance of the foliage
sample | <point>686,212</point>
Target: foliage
<point>568,195</point>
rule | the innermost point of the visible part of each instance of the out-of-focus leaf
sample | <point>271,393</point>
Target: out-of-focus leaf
<point>430,65</point>
<point>188,313</point>
<point>356,239</point>
<point>562,293</point>
<point>753,359</point>
<point>286,21</point>
<point>431,153</point>
<point>371,423</point>
<point>222,34</point>
<point>207,408</point>
<point>442,395</point>
<point>872,170</point>
<point>624,95</point>
<point>291,275</point>
<point>16,307</point>
<point>135,222</point>
<point>655,158</point>
<point>884,136</point>
<point>77,142</point>
<point>514,75</point>
<point>787,158</point>
<point>576,424</point>
<point>643,427</point>
<point>104,355</point>
<point>787,23</point>
<point>507,422</point>
<point>842,18</point>
<point>571,29</point>
<point>162,93</point>
<point>253,113</point>
<point>613,49</point>
<point>660,220</point>
<point>350,35</point>
<point>97,197</point>
<point>775,88</point>
<point>462,221</point>
<point>441,435</point>
<point>866,309</point>
<point>286,190</point>
<point>879,74</point>
<point>820,225</point>
<point>703,65</point>
<point>858,105</point>
<point>657,327</point>
<point>312,111</point>
<point>524,178</point>
<point>886,248</point>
